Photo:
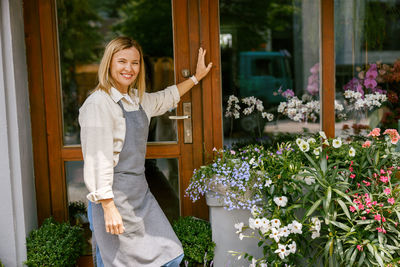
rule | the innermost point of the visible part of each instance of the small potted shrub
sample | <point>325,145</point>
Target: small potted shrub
<point>54,244</point>
<point>195,235</point>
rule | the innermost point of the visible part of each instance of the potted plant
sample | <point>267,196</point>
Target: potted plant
<point>195,236</point>
<point>54,244</point>
<point>313,201</point>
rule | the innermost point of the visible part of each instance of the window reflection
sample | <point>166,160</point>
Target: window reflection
<point>272,54</point>
<point>367,48</point>
<point>85,26</point>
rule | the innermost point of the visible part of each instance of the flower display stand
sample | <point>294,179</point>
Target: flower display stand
<point>224,233</point>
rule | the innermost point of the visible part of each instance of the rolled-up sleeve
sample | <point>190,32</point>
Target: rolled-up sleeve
<point>97,148</point>
<point>160,102</point>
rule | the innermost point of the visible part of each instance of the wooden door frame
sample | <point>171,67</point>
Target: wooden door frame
<point>199,26</point>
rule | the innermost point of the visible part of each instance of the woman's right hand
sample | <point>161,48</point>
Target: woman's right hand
<point>112,218</point>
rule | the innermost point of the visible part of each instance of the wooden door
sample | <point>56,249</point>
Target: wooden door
<point>195,23</point>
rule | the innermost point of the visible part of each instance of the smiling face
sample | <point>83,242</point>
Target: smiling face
<point>124,68</point>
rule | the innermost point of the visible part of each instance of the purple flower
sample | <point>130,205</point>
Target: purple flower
<point>288,93</point>
<point>371,74</point>
<point>370,83</point>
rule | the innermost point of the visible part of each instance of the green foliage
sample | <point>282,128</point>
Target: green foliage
<point>76,210</point>
<point>1,264</point>
<point>150,23</point>
<point>195,235</point>
<point>54,244</point>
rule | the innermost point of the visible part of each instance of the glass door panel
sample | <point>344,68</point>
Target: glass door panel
<point>84,27</point>
<point>367,52</point>
<point>272,54</point>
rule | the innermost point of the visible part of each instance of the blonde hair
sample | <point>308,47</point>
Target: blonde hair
<point>104,75</point>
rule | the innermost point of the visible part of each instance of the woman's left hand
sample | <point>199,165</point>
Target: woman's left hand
<point>201,69</point>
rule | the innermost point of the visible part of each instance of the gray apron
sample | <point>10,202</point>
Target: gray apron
<point>149,239</point>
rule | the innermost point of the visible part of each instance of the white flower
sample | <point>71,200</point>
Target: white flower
<point>284,231</point>
<point>251,161</point>
<point>298,141</point>
<point>326,142</point>
<point>281,201</point>
<point>275,235</point>
<point>317,150</point>
<point>253,263</point>
<point>257,223</point>
<point>311,140</point>
<point>292,247</point>
<point>336,143</point>
<point>304,146</point>
<point>352,152</point>
<point>309,180</point>
<point>252,223</point>
<point>264,222</point>
<point>315,234</point>
<point>241,236</point>
<point>275,223</point>
<point>322,134</point>
<point>295,227</point>
<point>268,183</point>
<point>239,227</point>
<point>281,251</point>
<point>255,211</point>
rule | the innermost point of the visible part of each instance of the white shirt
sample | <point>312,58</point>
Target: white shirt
<point>103,132</point>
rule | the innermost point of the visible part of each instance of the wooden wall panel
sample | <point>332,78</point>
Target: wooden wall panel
<point>51,87</point>
<point>328,67</point>
<point>37,108</point>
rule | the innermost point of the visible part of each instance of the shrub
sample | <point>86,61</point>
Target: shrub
<point>195,235</point>
<point>54,244</point>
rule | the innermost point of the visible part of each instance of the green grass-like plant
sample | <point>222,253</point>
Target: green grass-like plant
<point>195,235</point>
<point>54,244</point>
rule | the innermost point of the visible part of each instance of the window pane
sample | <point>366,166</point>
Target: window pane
<point>84,27</point>
<point>367,48</point>
<point>163,178</point>
<point>273,47</point>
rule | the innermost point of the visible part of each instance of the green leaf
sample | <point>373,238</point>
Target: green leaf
<point>327,201</point>
<point>343,195</point>
<point>344,208</point>
<point>313,207</point>
<point>339,248</point>
<point>341,225</point>
<point>353,257</point>
<point>359,222</point>
<point>361,260</point>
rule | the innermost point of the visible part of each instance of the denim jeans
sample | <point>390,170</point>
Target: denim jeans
<point>96,255</point>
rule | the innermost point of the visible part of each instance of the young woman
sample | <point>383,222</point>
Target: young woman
<point>128,225</point>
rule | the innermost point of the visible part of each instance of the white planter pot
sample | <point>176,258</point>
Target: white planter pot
<point>224,233</point>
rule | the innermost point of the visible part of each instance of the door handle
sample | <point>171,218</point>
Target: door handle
<point>187,122</point>
<point>179,117</point>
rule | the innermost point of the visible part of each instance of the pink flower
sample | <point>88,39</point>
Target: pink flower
<point>377,217</point>
<point>352,176</point>
<point>383,219</point>
<point>351,169</point>
<point>374,203</point>
<point>366,183</point>
<point>391,200</point>
<point>363,218</point>
<point>394,140</point>
<point>356,201</point>
<point>382,171</point>
<point>352,209</point>
<point>233,152</point>
<point>360,206</point>
<point>384,179</point>
<point>367,144</point>
<point>387,191</point>
<point>368,211</point>
<point>375,132</point>
<point>359,247</point>
<point>381,230</point>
